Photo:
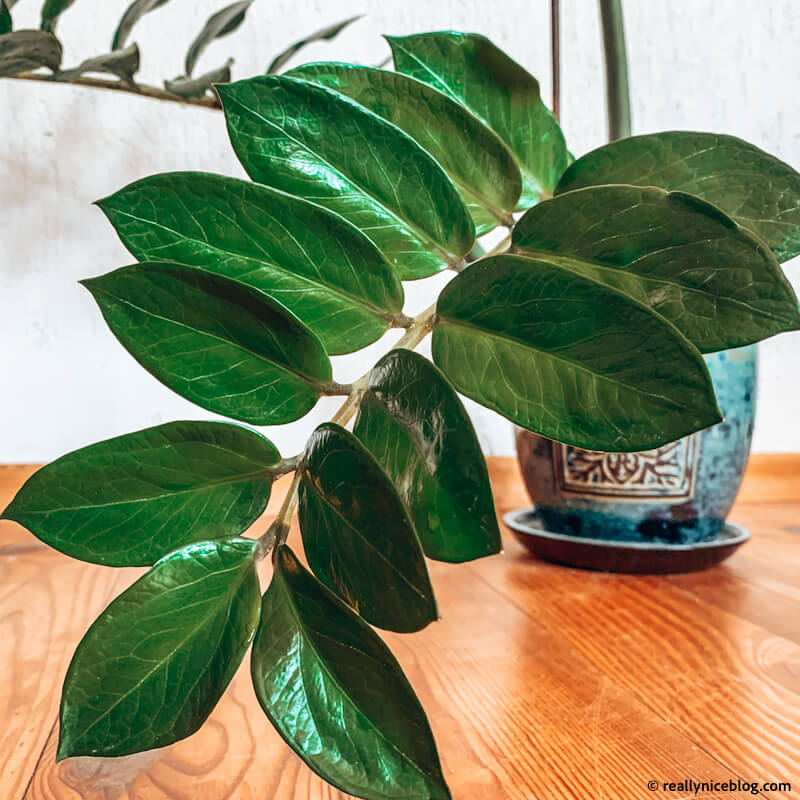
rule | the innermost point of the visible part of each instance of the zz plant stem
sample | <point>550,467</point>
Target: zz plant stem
<point>278,531</point>
<point>586,324</point>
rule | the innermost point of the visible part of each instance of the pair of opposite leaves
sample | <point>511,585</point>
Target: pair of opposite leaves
<point>545,324</point>
<point>326,681</point>
<point>193,614</point>
<point>714,307</point>
<point>131,500</point>
<point>466,307</point>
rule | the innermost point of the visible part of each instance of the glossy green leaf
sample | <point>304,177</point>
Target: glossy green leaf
<point>22,51</point>
<point>122,63</point>
<point>316,264</point>
<point>155,663</point>
<point>570,358</point>
<point>133,13</point>
<point>322,35</point>
<point>51,11</point>
<point>194,88</point>
<point>357,536</point>
<point>6,25</point>
<point>222,23</point>
<point>412,421</point>
<point>479,164</point>
<point>317,144</point>
<point>215,341</point>
<point>717,282</point>
<point>476,73</point>
<point>130,500</point>
<point>754,188</point>
<point>337,695</point>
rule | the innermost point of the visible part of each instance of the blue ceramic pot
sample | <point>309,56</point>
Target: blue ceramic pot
<point>679,493</point>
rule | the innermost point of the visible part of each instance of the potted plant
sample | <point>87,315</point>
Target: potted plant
<point>362,179</point>
<point>662,510</point>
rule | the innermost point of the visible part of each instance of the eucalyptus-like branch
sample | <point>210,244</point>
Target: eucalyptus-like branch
<point>140,89</point>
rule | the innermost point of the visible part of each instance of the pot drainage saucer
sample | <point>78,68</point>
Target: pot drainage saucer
<point>631,557</point>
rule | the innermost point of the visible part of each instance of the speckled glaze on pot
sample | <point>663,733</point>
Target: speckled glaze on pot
<point>677,494</point>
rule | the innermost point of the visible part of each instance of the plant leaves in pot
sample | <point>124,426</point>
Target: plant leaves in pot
<point>663,509</point>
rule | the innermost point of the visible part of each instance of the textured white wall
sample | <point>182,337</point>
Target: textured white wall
<point>718,65</point>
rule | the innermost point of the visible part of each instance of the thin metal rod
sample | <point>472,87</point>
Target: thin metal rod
<point>555,55</point>
<point>618,99</point>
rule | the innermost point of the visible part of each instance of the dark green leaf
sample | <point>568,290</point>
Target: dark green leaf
<point>220,24</point>
<point>754,188</point>
<point>155,663</point>
<point>315,263</point>
<point>190,88</point>
<point>130,500</point>
<point>479,164</point>
<point>217,342</point>
<point>5,19</point>
<point>718,283</point>
<point>22,51</point>
<point>51,10</point>
<point>318,144</point>
<point>122,63</point>
<point>357,536</point>
<point>476,73</point>
<point>337,695</point>
<point>570,358</point>
<point>412,421</point>
<point>135,11</point>
<point>322,35</point>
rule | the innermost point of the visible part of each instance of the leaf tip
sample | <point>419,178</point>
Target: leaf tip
<point>65,749</point>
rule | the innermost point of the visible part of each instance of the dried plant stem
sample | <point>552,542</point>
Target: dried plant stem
<point>118,86</point>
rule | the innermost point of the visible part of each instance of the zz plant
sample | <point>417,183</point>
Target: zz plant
<point>587,325</point>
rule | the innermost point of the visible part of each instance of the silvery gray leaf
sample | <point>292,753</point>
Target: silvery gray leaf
<point>135,11</point>
<point>197,87</point>
<point>22,51</point>
<point>324,34</point>
<point>122,63</point>
<point>219,24</point>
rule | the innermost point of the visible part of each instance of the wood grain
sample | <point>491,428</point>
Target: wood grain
<point>46,603</point>
<point>540,681</point>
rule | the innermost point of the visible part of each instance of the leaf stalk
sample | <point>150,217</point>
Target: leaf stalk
<point>278,531</point>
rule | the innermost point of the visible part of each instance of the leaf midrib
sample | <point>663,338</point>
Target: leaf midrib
<point>624,271</point>
<point>312,382</point>
<point>152,498</point>
<point>368,542</point>
<point>546,353</point>
<point>307,637</point>
<point>471,190</point>
<point>423,235</point>
<point>160,665</point>
<point>338,291</point>
<point>524,169</point>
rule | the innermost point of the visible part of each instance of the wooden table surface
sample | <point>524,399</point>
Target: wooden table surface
<point>540,681</point>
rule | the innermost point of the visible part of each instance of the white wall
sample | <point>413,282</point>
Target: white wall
<point>719,65</point>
